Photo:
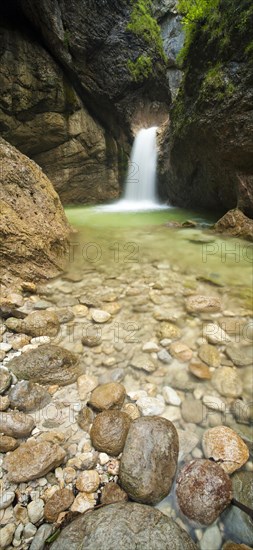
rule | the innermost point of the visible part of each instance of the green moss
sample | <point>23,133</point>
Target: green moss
<point>143,24</point>
<point>71,100</point>
<point>141,68</point>
<point>216,84</point>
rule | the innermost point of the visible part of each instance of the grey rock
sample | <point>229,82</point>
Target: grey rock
<point>27,396</point>
<point>5,380</point>
<point>16,424</point>
<point>241,357</point>
<point>238,525</point>
<point>123,526</point>
<point>41,536</point>
<point>48,364</point>
<point>149,459</point>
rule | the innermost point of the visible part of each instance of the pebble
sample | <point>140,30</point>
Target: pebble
<point>37,323</point>
<point>85,384</point>
<point>241,357</point>
<point>171,396</point>
<point>7,443</point>
<point>88,482</point>
<point>164,356</point>
<point>150,347</point>
<point>35,510</point>
<point>41,536</point>
<point>107,396</point>
<point>198,304</point>
<point>149,460</point>
<point>84,461</point>
<point>83,502</point>
<point>48,364</point>
<point>132,410</point>
<point>172,413</point>
<point>180,351</point>
<point>5,347</point>
<point>103,458</point>
<point>6,498</point>
<point>215,403</point>
<point>5,380</point>
<point>60,501</point>
<point>200,370</point>
<point>187,442</point>
<point>29,531</point>
<point>27,396</point>
<point>111,493</point>
<point>143,362</point>
<point>150,406</point>
<point>16,424</point>
<point>6,534</point>
<point>80,310</point>
<point>203,491</point>
<point>33,460</point>
<point>210,355</point>
<point>168,331</point>
<point>18,341</point>
<point>226,447</point>
<point>100,316</point>
<point>109,431</point>
<point>227,382</point>
<point>85,418</point>
<point>193,411</point>
<point>211,538</point>
<point>215,334</point>
<point>41,340</point>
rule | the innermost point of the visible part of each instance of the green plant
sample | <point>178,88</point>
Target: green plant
<point>141,68</point>
<point>143,24</point>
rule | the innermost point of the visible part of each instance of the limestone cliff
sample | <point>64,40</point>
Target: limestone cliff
<point>206,157</point>
<point>33,228</point>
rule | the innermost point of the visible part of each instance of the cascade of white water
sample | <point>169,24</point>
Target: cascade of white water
<point>141,177</point>
<point>140,187</point>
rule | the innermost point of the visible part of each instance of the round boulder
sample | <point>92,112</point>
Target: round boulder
<point>149,460</point>
<point>123,526</point>
<point>109,430</point>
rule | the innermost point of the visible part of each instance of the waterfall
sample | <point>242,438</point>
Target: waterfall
<point>141,177</point>
<point>140,186</point>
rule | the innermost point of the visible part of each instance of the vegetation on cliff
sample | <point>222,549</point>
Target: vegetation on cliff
<point>143,24</point>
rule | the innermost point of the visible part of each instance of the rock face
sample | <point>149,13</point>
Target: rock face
<point>236,224</point>
<point>73,105</point>
<point>128,526</point>
<point>208,144</point>
<point>149,459</point>
<point>47,365</point>
<point>32,243</point>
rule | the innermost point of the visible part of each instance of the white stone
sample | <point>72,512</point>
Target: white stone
<point>150,406</point>
<point>18,534</point>
<point>171,397</point>
<point>41,340</point>
<point>172,413</point>
<point>5,347</point>
<point>214,402</point>
<point>100,316</point>
<point>6,499</point>
<point>35,510</point>
<point>211,539</point>
<point>150,347</point>
<point>215,334</point>
<point>85,384</point>
<point>6,534</point>
<point>29,531</point>
<point>82,503</point>
<point>135,395</point>
<point>103,458</point>
<point>164,356</point>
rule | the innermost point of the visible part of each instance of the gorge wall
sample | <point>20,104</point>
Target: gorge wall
<point>68,95</point>
<point>206,155</point>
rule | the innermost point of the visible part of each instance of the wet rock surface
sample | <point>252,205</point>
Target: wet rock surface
<point>203,491</point>
<point>107,396</point>
<point>109,431</point>
<point>149,459</point>
<point>128,525</point>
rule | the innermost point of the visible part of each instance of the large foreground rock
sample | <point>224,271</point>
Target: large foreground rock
<point>48,364</point>
<point>149,460</point>
<point>33,227</point>
<point>124,526</point>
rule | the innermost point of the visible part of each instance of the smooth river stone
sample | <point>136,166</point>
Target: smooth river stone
<point>37,323</point>
<point>168,330</point>
<point>88,482</point>
<point>124,526</point>
<point>225,446</point>
<point>215,334</point>
<point>5,380</point>
<point>241,357</point>
<point>210,355</point>
<point>100,316</point>
<point>198,304</point>
<point>200,370</point>
<point>107,396</point>
<point>7,443</point>
<point>16,424</point>
<point>33,460</point>
<point>109,431</point>
<point>180,351</point>
<point>149,460</point>
<point>238,525</point>
<point>27,396</point>
<point>61,500</point>
<point>48,364</point>
<point>203,491</point>
<point>227,382</point>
